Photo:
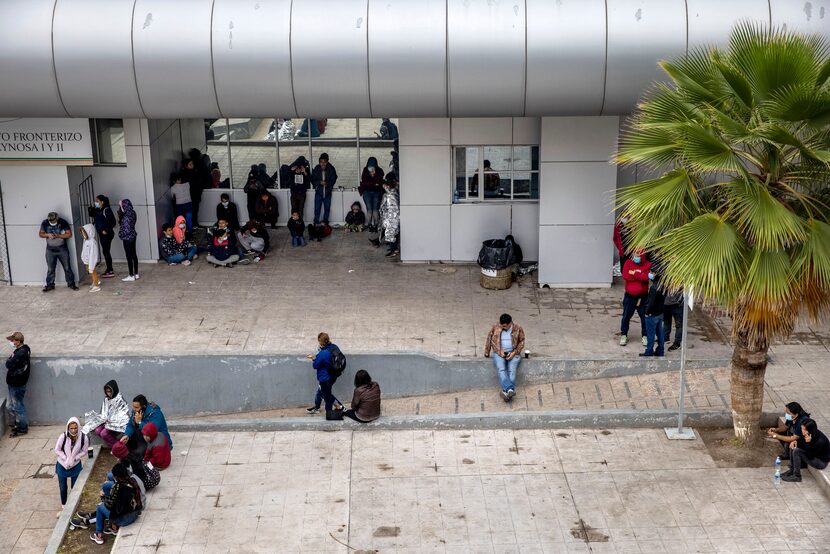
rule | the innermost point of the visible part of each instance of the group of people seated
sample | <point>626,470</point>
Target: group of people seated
<point>138,437</point>
<point>804,445</point>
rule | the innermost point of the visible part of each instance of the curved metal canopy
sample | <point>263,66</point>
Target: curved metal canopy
<point>355,58</point>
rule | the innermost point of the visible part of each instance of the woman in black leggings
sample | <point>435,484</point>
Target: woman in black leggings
<point>127,234</point>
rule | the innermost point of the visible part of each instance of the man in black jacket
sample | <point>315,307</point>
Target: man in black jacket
<point>323,179</point>
<point>655,305</point>
<point>227,210</point>
<point>105,226</point>
<point>17,375</point>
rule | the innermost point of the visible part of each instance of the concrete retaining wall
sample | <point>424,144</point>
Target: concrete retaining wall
<point>198,385</point>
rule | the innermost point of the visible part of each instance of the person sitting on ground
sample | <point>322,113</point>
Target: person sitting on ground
<point>143,414</point>
<point>506,340</point>
<point>366,399</point>
<point>355,219</point>
<point>135,466</point>
<point>222,252</point>
<point>89,254</point>
<point>322,363</point>
<point>137,474</point>
<point>635,273</point>
<point>813,450</point>
<point>158,451</point>
<point>790,431</point>
<point>175,248</point>
<point>390,214</point>
<point>318,232</point>
<point>296,227</point>
<point>266,209</point>
<point>253,240</point>
<point>654,318</point>
<point>121,505</point>
<point>70,450</point>
<point>114,416</point>
<point>228,211</point>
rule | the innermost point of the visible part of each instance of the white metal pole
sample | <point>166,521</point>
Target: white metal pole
<point>683,360</point>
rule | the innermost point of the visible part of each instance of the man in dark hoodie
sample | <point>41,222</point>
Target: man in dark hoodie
<point>105,227</point>
<point>228,211</point>
<point>299,184</point>
<point>323,178</point>
<point>17,375</point>
<point>654,317</point>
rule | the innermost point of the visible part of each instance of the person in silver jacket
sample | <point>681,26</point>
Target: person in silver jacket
<point>114,416</point>
<point>390,214</point>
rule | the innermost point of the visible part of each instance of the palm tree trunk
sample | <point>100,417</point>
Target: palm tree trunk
<point>747,388</point>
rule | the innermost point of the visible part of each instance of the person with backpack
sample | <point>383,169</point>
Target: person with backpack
<point>70,449</point>
<point>122,504</point>
<point>329,364</point>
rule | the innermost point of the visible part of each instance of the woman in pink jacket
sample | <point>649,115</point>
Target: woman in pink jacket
<point>70,449</point>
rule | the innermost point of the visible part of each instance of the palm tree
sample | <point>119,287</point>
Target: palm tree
<point>741,211</point>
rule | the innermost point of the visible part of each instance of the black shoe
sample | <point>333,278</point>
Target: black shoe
<point>79,523</point>
<point>792,478</point>
<point>47,288</point>
<point>108,274</point>
<point>18,433</point>
<point>646,355</point>
<point>390,254</point>
<point>788,472</point>
<point>313,410</point>
<point>73,286</point>
<point>674,347</point>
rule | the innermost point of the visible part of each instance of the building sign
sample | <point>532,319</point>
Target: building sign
<point>47,141</point>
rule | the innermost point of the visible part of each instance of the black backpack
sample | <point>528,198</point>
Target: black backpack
<point>338,362</point>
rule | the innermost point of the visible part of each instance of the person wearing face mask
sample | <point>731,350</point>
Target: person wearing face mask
<point>789,432</point>
<point>56,230</point>
<point>222,251</point>
<point>70,449</point>
<point>371,189</point>
<point>173,251</point>
<point>181,199</point>
<point>635,273</point>
<point>105,224</point>
<point>323,179</point>
<point>17,375</point>
<point>812,451</point>
<point>228,211</point>
<point>253,240</point>
<point>655,305</point>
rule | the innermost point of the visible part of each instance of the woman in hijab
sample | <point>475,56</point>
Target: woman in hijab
<point>114,416</point>
<point>126,232</point>
<point>70,450</point>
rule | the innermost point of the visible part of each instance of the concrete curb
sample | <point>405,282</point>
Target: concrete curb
<point>567,419</point>
<point>71,505</point>
<point>3,422</point>
<point>822,477</point>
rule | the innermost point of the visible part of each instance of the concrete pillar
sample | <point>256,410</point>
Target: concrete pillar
<point>576,218</point>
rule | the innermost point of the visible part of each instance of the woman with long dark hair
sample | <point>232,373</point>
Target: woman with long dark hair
<point>126,232</point>
<point>366,399</point>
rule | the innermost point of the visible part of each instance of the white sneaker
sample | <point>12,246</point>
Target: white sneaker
<point>195,256</point>
<point>186,262</point>
<point>129,279</point>
<point>137,276</point>
<point>94,289</point>
<point>173,263</point>
<point>623,340</point>
<point>644,340</point>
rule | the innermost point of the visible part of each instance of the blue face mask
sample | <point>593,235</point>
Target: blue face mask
<point>788,417</point>
<point>98,205</point>
<point>637,259</point>
<point>651,276</point>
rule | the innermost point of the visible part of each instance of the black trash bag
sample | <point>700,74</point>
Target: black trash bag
<point>496,254</point>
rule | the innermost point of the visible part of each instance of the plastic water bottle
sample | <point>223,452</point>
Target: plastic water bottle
<point>777,478</point>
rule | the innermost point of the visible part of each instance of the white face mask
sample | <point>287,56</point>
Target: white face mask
<point>13,345</point>
<point>225,204</point>
<point>183,226</point>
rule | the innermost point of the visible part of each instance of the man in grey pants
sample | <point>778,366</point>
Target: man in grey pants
<point>56,230</point>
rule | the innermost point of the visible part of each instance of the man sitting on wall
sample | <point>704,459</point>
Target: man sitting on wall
<point>506,340</point>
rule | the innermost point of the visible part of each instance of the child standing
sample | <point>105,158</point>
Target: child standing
<point>70,450</point>
<point>89,255</point>
<point>297,227</point>
<point>355,219</point>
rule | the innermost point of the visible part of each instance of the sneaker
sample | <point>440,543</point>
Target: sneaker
<point>313,410</point>
<point>137,276</point>
<point>129,279</point>
<point>244,261</point>
<point>186,262</point>
<point>195,256</point>
<point>96,538</point>
<point>73,286</point>
<point>674,347</point>
<point>256,259</point>
<point>791,478</point>
<point>504,395</point>
<point>390,254</point>
<point>623,340</point>
<point>646,355</point>
<point>108,530</point>
<point>644,341</point>
<point>18,433</point>
<point>78,523</point>
<point>108,274</point>
<point>510,394</point>
<point>95,289</point>
<point>47,288</point>
<point>88,517</point>
<point>173,263</point>
<point>788,472</point>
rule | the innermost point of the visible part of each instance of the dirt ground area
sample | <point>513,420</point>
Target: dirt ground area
<point>728,451</point>
<point>77,541</point>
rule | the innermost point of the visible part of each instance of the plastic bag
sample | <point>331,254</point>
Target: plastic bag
<point>496,254</point>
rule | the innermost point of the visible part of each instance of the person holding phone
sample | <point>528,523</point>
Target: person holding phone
<point>144,413</point>
<point>506,340</point>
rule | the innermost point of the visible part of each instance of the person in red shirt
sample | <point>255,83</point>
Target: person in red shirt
<point>635,273</point>
<point>158,449</point>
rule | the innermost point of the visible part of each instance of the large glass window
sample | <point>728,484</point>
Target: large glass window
<point>108,146</point>
<point>251,145</point>
<point>378,139</point>
<point>338,139</point>
<point>216,141</point>
<point>496,173</point>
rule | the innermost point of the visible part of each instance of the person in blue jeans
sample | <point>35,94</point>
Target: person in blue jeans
<point>296,226</point>
<point>121,506</point>
<point>322,363</point>
<point>173,251</point>
<point>17,375</point>
<point>506,340</point>
<point>654,318</point>
<point>70,449</point>
<point>323,179</point>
